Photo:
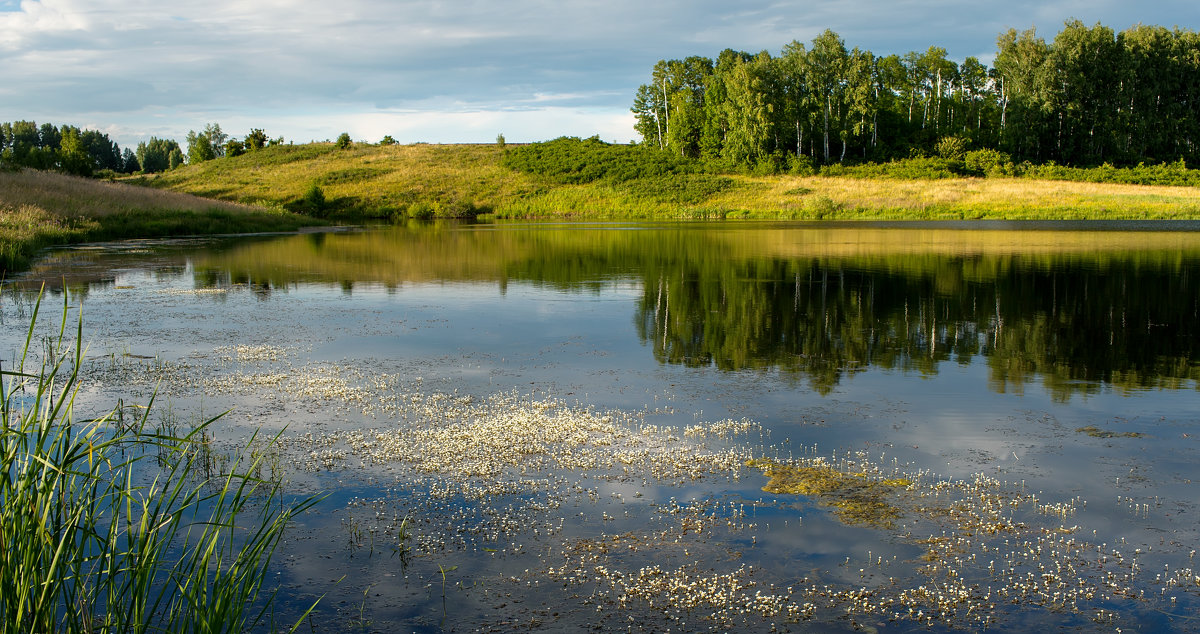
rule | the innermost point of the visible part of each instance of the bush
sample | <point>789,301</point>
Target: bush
<point>1176,173</point>
<point>986,162</point>
<point>952,147</point>
<point>343,141</point>
<point>800,165</point>
<point>906,169</point>
<point>313,202</point>
<point>570,160</point>
<point>421,211</point>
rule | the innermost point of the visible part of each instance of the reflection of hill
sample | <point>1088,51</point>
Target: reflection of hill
<point>1077,309</point>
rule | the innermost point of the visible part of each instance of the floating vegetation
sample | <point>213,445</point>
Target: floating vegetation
<point>193,291</point>
<point>857,498</point>
<point>251,353</point>
<point>495,474</point>
<point>1096,432</point>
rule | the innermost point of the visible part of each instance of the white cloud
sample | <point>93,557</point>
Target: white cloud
<point>144,64</point>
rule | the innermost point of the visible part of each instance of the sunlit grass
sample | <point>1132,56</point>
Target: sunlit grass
<point>388,181</point>
<point>40,209</point>
<point>956,199</point>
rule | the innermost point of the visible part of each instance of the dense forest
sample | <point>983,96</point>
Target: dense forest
<point>1089,97</point>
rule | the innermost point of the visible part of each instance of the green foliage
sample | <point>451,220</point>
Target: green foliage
<point>256,140</point>
<point>952,148</point>
<point>1090,96</point>
<point>500,140</point>
<point>387,140</point>
<point>233,147</point>
<point>207,144</point>
<point>65,148</point>
<point>343,141</point>
<point>987,162</point>
<point>158,155</point>
<point>1176,173</point>
<point>574,160</point>
<point>313,202</point>
<point>108,525</point>
<point>907,169</point>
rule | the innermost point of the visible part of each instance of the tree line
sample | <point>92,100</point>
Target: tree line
<point>67,148</point>
<point>1089,97</point>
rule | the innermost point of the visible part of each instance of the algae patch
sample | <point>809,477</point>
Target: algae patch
<point>856,497</point>
<point>1096,432</point>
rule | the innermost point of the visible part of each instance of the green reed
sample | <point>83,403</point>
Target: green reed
<point>108,527</point>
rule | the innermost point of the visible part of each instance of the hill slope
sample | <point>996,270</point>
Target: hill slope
<point>40,209</point>
<point>465,180</point>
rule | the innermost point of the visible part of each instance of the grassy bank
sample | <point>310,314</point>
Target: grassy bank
<point>40,209</point>
<point>466,180</point>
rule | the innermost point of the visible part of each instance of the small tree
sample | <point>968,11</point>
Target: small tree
<point>233,147</point>
<point>256,140</point>
<point>313,202</point>
<point>343,141</point>
<point>500,140</point>
<point>387,140</point>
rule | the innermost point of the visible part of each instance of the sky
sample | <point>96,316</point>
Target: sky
<point>445,71</point>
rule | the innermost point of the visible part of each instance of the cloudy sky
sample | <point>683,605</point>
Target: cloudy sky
<point>446,70</point>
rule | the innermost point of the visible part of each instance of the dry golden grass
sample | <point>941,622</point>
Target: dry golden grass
<point>965,198</point>
<point>39,209</point>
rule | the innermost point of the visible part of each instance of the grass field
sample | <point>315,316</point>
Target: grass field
<point>458,180</point>
<point>40,209</point>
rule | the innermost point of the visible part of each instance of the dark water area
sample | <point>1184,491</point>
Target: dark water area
<point>688,426</point>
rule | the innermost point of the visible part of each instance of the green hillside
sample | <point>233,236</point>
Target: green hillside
<point>573,179</point>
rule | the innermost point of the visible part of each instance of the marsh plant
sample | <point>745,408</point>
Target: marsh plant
<point>98,534</point>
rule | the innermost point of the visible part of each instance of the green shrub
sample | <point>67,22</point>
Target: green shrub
<point>343,141</point>
<point>986,162</point>
<point>906,169</point>
<point>952,147</point>
<point>313,202</point>
<point>1176,173</point>
<point>571,160</point>
<point>421,211</point>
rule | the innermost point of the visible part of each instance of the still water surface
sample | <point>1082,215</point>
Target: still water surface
<point>956,426</point>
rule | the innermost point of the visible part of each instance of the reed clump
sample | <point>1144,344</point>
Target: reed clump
<point>107,525</point>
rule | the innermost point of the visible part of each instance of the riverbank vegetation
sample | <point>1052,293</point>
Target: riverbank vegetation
<point>112,524</point>
<point>40,209</point>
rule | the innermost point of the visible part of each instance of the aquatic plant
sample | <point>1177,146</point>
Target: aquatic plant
<point>855,497</point>
<point>108,525</point>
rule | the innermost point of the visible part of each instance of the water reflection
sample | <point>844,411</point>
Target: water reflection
<point>1077,310</point>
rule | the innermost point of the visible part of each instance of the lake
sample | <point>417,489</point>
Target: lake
<point>728,426</point>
